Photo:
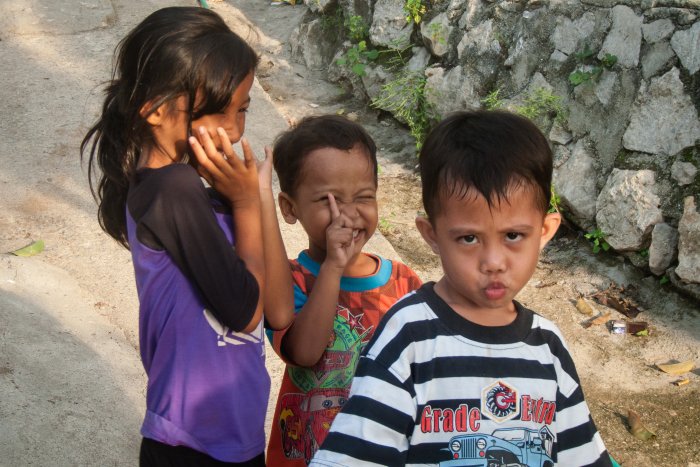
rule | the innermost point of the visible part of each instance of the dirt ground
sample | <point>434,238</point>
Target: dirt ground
<point>618,372</point>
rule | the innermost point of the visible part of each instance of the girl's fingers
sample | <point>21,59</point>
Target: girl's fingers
<point>248,156</point>
<point>226,145</point>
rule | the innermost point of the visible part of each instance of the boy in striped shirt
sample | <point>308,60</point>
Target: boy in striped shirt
<point>459,373</point>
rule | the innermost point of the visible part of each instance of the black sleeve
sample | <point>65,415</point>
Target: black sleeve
<point>173,212</point>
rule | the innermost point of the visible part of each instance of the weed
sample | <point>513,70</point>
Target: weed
<point>664,280</point>
<point>330,23</point>
<point>536,104</point>
<point>554,202</point>
<point>644,253</point>
<point>405,98</point>
<point>357,57</point>
<point>437,33</point>
<point>493,100</point>
<point>357,28</point>
<point>597,237</point>
<point>593,67</point>
<point>385,226</point>
<point>414,9</point>
<point>540,103</point>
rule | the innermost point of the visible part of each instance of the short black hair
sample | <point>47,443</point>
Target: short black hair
<point>316,132</point>
<point>491,152</point>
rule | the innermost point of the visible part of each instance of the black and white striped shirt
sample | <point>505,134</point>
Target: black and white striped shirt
<point>435,389</point>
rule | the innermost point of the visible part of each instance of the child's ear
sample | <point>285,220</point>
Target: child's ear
<point>153,117</point>
<point>551,223</point>
<point>428,233</point>
<point>287,208</point>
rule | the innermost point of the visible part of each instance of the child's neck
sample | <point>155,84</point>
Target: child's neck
<point>361,265</point>
<point>492,317</point>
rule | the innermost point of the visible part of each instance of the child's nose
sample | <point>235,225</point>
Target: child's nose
<point>493,260</point>
<point>350,210</point>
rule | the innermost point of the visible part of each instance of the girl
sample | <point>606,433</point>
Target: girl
<point>176,103</point>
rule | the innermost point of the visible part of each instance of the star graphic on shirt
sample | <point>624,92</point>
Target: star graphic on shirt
<point>354,321</point>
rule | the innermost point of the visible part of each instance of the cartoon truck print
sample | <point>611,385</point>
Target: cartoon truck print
<point>306,418</point>
<point>507,447</point>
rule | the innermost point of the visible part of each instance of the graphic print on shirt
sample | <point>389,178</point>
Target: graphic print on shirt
<point>503,447</point>
<point>517,443</point>
<point>225,336</point>
<point>499,402</point>
<point>305,418</point>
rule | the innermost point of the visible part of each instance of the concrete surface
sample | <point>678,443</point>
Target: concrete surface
<point>72,388</point>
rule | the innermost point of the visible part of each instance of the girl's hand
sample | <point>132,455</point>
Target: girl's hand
<point>340,243</point>
<point>265,171</point>
<point>236,179</point>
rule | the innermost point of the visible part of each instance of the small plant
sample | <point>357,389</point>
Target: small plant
<point>554,202</point>
<point>644,253</point>
<point>664,280</point>
<point>597,237</point>
<point>357,28</point>
<point>437,33</point>
<point>539,103</point>
<point>357,57</point>
<point>405,98</point>
<point>536,104</point>
<point>592,68</point>
<point>493,100</point>
<point>415,9</point>
<point>385,226</point>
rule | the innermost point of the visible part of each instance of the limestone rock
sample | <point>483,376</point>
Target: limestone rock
<point>656,58</point>
<point>683,172</point>
<point>663,119</point>
<point>662,251</point>
<point>657,30</point>
<point>558,134</point>
<point>389,26</point>
<point>448,90</point>
<point>320,6</point>
<point>686,44</point>
<point>479,40</point>
<point>624,38</point>
<point>310,47</point>
<point>575,183</point>
<point>569,35</point>
<point>628,208</point>
<point>689,243</point>
<point>605,87</point>
<point>419,60</point>
<point>436,34</point>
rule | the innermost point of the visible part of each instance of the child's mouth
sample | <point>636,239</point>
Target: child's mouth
<point>355,233</point>
<point>495,291</point>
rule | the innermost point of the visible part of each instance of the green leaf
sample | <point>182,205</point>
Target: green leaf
<point>596,248</point>
<point>372,54</point>
<point>31,249</point>
<point>664,280</point>
<point>577,77</point>
<point>358,69</point>
<point>605,246</point>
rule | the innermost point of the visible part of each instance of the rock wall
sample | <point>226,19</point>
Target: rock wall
<point>613,83</point>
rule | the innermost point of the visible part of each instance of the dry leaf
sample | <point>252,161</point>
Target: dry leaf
<point>584,307</point>
<point>612,297</point>
<point>676,368</point>
<point>598,320</point>
<point>681,382</point>
<point>31,249</point>
<point>637,428</point>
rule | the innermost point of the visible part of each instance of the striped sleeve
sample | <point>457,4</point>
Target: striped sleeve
<point>578,441</point>
<point>375,423</point>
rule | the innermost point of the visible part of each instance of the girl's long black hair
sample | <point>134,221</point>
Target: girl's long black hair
<point>177,51</point>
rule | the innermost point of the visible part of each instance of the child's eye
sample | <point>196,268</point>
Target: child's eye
<point>468,239</point>
<point>244,110</point>
<point>514,236</point>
